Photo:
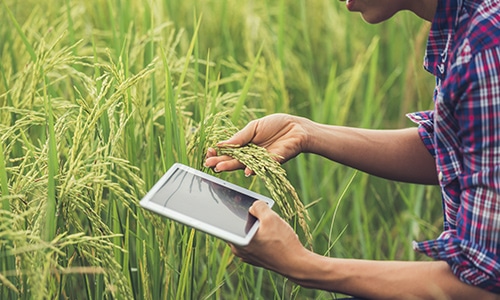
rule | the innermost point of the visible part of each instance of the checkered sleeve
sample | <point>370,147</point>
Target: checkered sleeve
<point>425,121</point>
<point>472,248</point>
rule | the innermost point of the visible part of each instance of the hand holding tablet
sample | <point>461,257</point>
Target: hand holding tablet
<point>206,203</point>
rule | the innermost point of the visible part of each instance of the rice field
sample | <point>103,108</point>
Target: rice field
<point>99,97</point>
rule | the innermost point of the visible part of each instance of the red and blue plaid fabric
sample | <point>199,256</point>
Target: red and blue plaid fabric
<point>463,134</point>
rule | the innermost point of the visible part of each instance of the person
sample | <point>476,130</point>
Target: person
<point>456,145</point>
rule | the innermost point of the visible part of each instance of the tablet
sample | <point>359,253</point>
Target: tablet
<point>206,203</point>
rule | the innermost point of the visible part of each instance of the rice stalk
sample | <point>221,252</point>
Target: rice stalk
<point>53,166</point>
<point>4,185</point>
<point>145,278</point>
<point>87,169</point>
<point>236,114</point>
<point>19,30</point>
<point>110,127</point>
<point>265,166</point>
<point>227,257</point>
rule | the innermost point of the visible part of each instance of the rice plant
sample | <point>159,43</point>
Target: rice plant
<point>98,98</point>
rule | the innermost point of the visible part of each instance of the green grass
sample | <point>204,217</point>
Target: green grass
<point>98,98</point>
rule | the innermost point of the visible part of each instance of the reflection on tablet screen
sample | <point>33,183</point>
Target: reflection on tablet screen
<point>207,201</point>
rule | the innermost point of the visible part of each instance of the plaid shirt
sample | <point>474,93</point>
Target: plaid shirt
<point>463,134</point>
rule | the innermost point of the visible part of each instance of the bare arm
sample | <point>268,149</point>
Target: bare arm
<point>384,279</point>
<point>392,154</point>
<point>276,247</point>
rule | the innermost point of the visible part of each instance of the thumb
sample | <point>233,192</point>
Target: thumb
<point>241,138</point>
<point>259,209</point>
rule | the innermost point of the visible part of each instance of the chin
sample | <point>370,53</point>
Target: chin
<point>376,18</point>
<point>373,21</point>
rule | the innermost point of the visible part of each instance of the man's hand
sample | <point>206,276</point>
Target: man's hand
<point>275,246</point>
<point>281,134</point>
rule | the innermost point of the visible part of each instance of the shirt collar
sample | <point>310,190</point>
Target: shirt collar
<point>440,36</point>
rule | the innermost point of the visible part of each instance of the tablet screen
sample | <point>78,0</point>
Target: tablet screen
<point>206,201</point>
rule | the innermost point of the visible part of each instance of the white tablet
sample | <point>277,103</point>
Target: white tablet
<point>205,202</point>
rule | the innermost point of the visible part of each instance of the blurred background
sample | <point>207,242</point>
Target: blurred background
<point>99,97</point>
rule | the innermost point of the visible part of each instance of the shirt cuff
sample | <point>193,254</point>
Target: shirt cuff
<point>470,262</point>
<point>425,121</point>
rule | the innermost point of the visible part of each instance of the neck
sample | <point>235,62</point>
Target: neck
<point>426,9</point>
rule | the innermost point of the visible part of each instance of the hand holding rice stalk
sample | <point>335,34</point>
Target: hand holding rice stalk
<point>265,165</point>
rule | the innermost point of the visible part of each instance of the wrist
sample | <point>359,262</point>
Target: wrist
<point>312,270</point>
<point>318,138</point>
<point>309,129</point>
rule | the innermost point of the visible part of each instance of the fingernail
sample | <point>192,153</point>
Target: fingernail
<point>216,170</point>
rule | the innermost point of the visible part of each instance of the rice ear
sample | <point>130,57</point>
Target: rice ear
<point>266,167</point>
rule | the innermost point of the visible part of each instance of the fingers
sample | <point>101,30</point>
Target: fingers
<point>234,250</point>
<point>211,152</point>
<point>229,164</point>
<point>221,163</point>
<point>259,209</point>
<point>224,163</point>
<point>242,137</point>
<point>237,251</point>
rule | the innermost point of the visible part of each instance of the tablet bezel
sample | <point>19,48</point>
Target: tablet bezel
<point>182,218</point>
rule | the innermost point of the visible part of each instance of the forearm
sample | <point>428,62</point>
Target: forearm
<point>383,279</point>
<point>393,154</point>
